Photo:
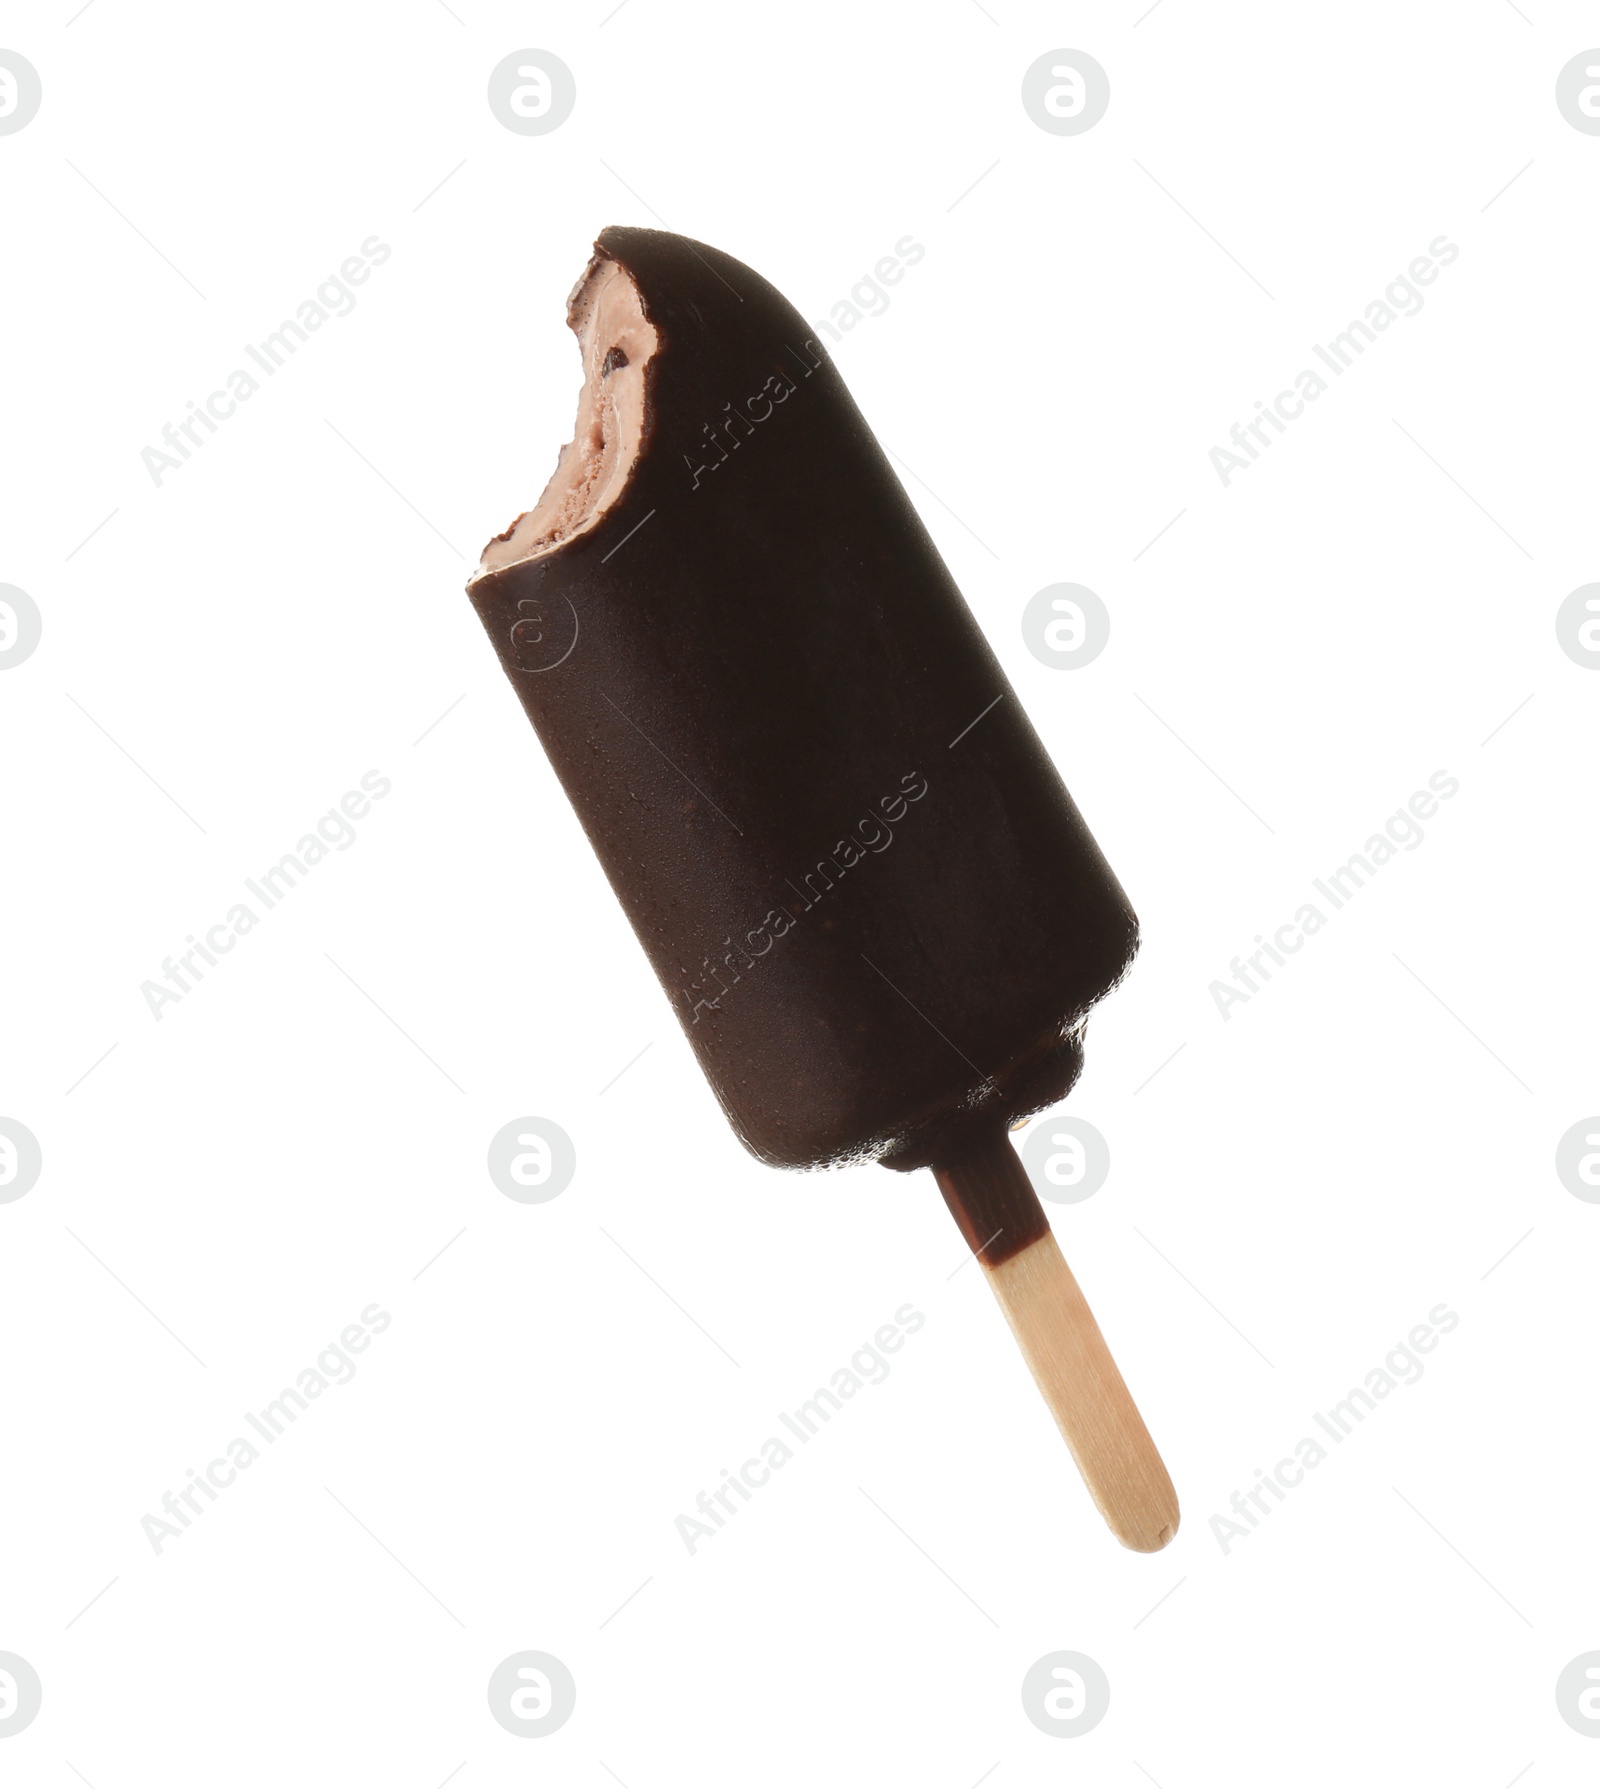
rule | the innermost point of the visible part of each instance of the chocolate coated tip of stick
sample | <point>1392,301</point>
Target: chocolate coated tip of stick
<point>990,1195</point>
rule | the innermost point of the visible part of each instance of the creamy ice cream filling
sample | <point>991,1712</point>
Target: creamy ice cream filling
<point>616,340</point>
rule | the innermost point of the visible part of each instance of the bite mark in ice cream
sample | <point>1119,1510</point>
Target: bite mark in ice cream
<point>617,341</point>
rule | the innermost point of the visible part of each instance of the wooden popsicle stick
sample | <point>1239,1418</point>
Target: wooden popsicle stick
<point>992,1200</point>
<point>1093,1408</point>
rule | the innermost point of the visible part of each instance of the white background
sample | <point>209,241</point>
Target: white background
<point>1299,1185</point>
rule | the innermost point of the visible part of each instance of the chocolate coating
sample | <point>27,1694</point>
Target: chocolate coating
<point>989,1194</point>
<point>879,918</point>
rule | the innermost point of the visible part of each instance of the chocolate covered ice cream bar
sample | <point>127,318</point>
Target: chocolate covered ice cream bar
<point>871,902</point>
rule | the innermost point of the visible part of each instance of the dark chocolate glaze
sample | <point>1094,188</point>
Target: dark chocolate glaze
<point>755,678</point>
<point>989,1193</point>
